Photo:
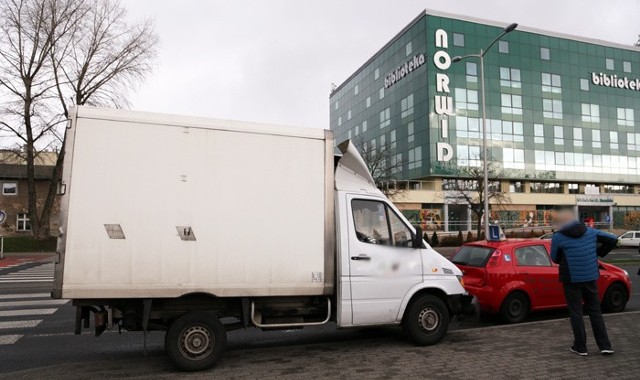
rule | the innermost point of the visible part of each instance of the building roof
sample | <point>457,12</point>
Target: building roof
<point>430,12</point>
<point>11,171</point>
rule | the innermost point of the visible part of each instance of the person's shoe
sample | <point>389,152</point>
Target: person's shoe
<point>607,352</point>
<point>575,351</point>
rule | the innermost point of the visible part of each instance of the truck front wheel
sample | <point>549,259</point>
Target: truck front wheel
<point>195,341</point>
<point>426,320</point>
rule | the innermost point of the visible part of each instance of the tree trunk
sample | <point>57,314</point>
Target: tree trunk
<point>32,196</point>
<point>45,225</point>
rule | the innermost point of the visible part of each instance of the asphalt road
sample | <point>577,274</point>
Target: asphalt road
<point>51,341</point>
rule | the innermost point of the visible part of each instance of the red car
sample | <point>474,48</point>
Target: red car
<point>513,277</point>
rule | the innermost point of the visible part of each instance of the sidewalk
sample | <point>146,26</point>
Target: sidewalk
<point>16,258</point>
<point>525,351</point>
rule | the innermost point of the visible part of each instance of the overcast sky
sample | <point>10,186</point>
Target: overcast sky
<point>274,60</point>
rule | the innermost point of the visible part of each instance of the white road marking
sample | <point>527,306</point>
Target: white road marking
<point>9,339</point>
<point>20,313</point>
<point>24,295</point>
<point>32,303</point>
<point>20,324</point>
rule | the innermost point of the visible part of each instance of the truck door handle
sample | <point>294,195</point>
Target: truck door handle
<point>361,257</point>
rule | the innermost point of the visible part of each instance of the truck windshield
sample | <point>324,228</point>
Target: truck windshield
<point>472,256</point>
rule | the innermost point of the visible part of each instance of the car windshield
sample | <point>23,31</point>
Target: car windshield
<point>473,256</point>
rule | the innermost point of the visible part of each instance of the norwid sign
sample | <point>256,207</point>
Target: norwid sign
<point>443,102</point>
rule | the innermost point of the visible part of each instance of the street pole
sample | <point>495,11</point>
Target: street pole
<point>485,161</point>
<point>485,153</point>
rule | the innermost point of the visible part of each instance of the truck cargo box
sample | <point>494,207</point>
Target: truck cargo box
<point>162,206</point>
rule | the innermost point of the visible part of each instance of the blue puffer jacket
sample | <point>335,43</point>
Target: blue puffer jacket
<point>576,248</point>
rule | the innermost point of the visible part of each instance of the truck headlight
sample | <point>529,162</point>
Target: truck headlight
<point>461,280</point>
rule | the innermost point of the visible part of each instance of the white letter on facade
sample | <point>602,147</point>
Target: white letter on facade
<point>442,82</point>
<point>442,60</point>
<point>442,40</point>
<point>445,152</point>
<point>444,105</point>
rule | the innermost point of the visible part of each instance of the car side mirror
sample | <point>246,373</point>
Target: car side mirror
<point>417,238</point>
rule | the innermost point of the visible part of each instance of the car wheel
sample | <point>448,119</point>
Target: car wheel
<point>195,341</point>
<point>426,320</point>
<point>615,299</point>
<point>515,308</point>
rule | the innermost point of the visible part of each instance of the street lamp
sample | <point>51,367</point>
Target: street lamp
<point>480,55</point>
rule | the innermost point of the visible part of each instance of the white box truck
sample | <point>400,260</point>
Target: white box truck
<point>197,227</point>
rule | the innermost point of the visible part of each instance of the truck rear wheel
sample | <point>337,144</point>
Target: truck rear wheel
<point>426,320</point>
<point>195,341</point>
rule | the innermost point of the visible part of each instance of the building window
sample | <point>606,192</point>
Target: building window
<point>339,121</point>
<point>558,135</point>
<point>504,130</point>
<point>503,47</point>
<point>467,127</point>
<point>10,188</point>
<point>633,141</point>
<point>396,163</point>
<point>381,93</point>
<point>383,141</point>
<point>23,223</point>
<point>609,64</point>
<point>546,187</point>
<point>577,136</point>
<point>472,72</point>
<point>349,134</point>
<point>392,139</point>
<point>415,158</point>
<point>516,187</point>
<point>406,106</point>
<point>510,77</point>
<point>591,188</point>
<point>468,155</point>
<point>466,99</point>
<point>544,53</point>
<point>590,113</point>
<point>625,117</point>
<point>552,108</point>
<point>349,115</point>
<point>584,84</point>
<point>511,104</point>
<point>368,101</point>
<point>618,189</point>
<point>376,74</point>
<point>573,188</point>
<point>613,139</point>
<point>357,130</point>
<point>626,66</point>
<point>372,146</point>
<point>364,126</point>
<point>336,104</point>
<point>385,118</point>
<point>513,158</point>
<point>551,83</point>
<point>458,39</point>
<point>410,132</point>
<point>355,90</point>
<point>538,133</point>
<point>595,137</point>
<point>408,48</point>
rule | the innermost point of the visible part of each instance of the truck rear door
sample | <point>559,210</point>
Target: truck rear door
<point>384,265</point>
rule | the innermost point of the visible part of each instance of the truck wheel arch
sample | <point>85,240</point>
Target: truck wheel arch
<point>417,293</point>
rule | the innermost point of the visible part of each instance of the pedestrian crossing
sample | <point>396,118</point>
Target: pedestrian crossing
<point>38,273</point>
<point>21,313</point>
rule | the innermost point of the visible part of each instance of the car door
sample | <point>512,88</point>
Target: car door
<point>384,263</point>
<point>535,269</point>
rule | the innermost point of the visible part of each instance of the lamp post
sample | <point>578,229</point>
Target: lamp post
<point>480,55</point>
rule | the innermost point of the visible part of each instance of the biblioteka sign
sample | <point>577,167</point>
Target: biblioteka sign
<point>443,102</point>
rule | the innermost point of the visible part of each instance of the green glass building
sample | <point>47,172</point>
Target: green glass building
<point>561,118</point>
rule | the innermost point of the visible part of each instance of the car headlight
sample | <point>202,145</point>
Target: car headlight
<point>461,280</point>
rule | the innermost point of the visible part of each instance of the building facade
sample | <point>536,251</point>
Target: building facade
<point>562,124</point>
<point>14,202</point>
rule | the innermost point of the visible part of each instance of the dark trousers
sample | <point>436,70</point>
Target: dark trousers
<point>575,293</point>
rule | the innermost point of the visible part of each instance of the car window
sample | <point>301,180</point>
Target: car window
<point>370,219</point>
<point>472,256</point>
<point>627,235</point>
<point>399,231</point>
<point>534,255</point>
<point>637,235</point>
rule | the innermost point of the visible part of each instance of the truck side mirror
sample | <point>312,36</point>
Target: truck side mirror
<point>417,238</point>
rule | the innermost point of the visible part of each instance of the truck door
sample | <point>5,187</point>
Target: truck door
<point>384,263</point>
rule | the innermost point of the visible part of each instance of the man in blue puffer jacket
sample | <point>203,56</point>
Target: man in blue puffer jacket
<point>576,248</point>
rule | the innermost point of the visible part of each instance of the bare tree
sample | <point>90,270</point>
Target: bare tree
<point>59,53</point>
<point>468,189</point>
<point>638,42</point>
<point>383,164</point>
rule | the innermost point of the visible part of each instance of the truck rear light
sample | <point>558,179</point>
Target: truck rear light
<point>494,260</point>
